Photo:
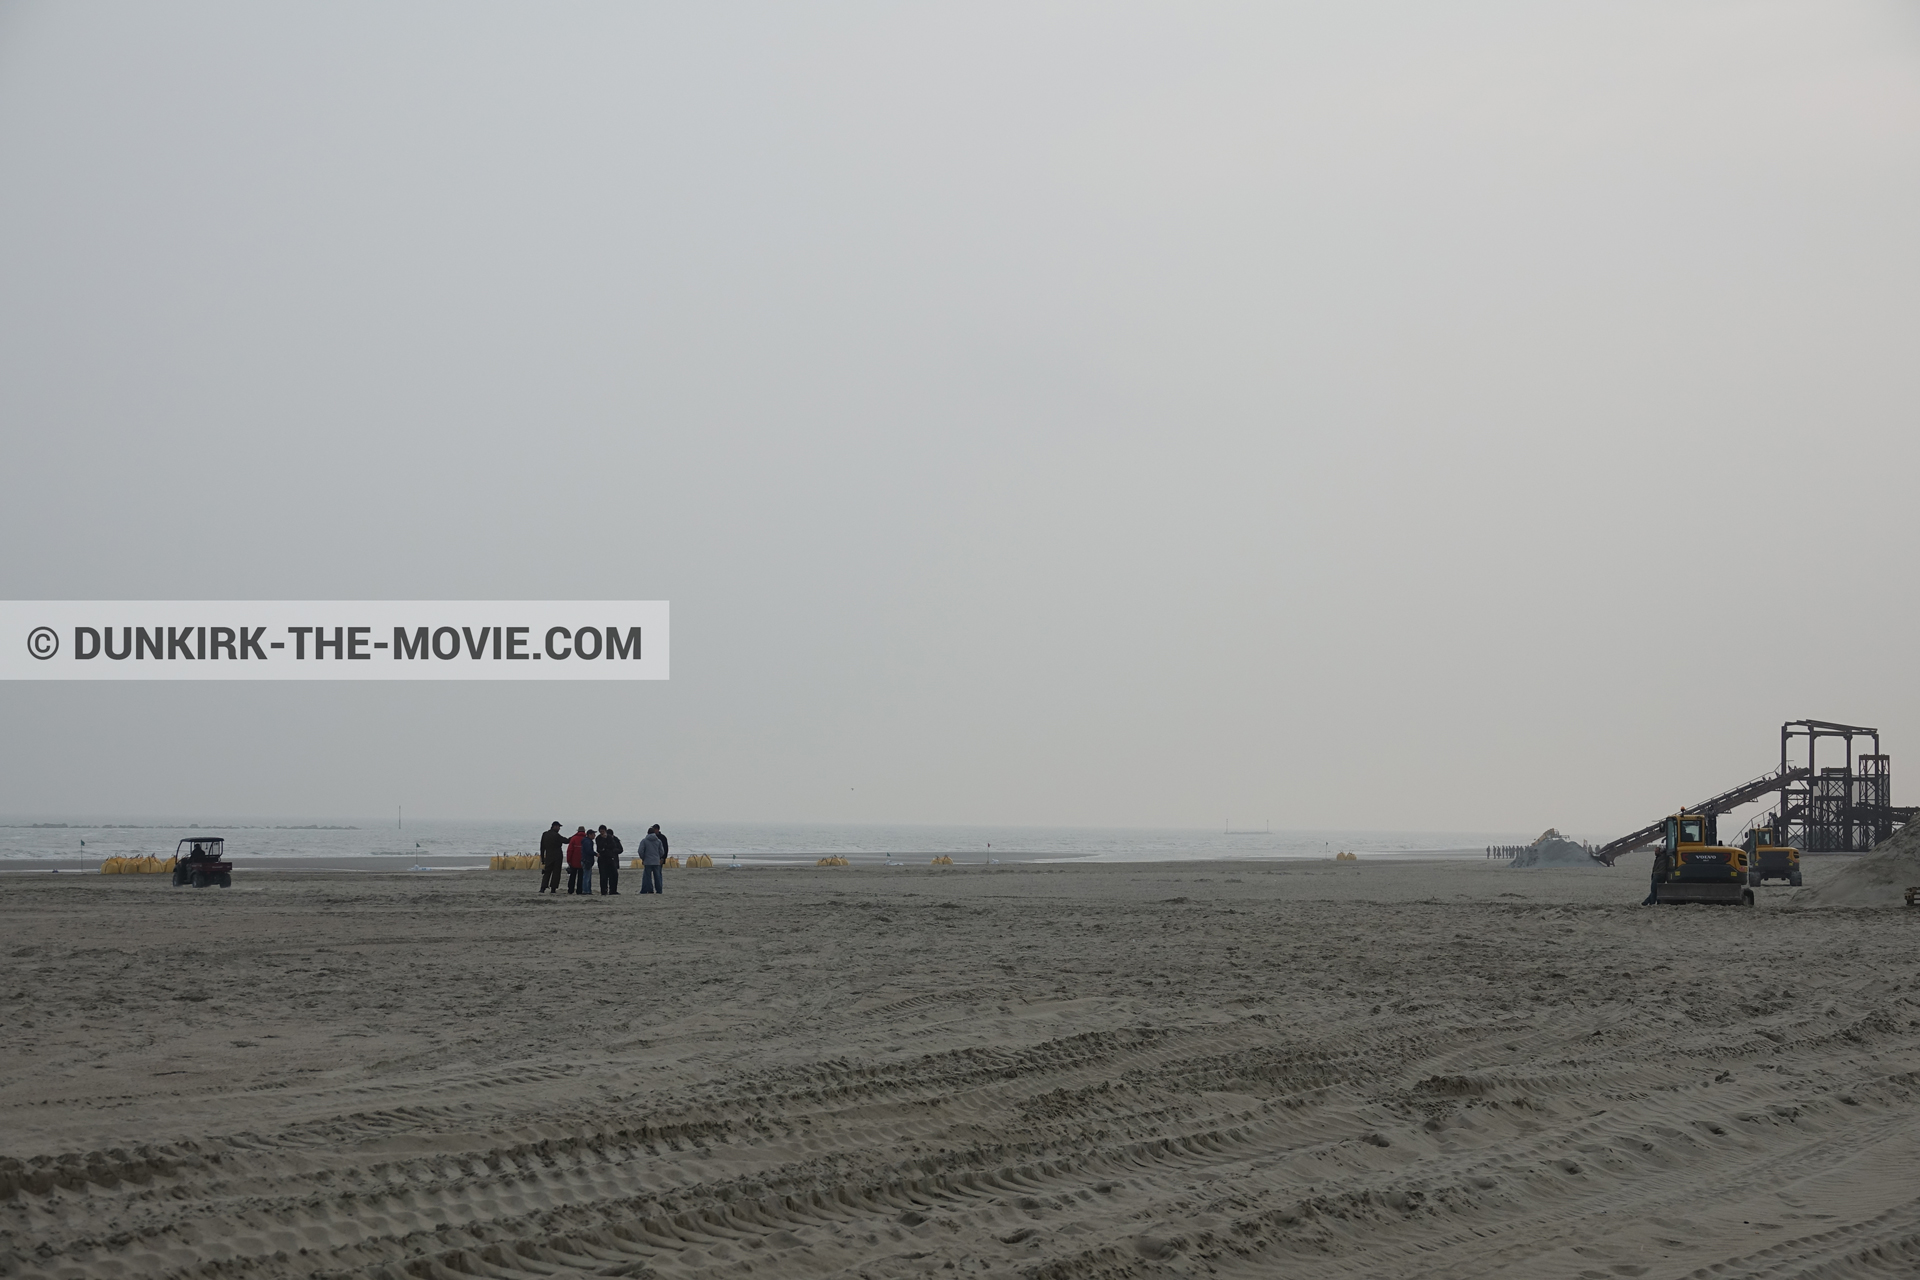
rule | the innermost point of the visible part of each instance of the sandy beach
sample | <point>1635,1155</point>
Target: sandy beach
<point>1384,1069</point>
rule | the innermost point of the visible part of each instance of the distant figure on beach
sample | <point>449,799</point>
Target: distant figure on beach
<point>1662,871</point>
<point>553,848</point>
<point>586,861</point>
<point>573,859</point>
<point>609,849</point>
<point>653,854</point>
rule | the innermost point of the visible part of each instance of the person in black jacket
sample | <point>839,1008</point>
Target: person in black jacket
<point>609,849</point>
<point>552,847</point>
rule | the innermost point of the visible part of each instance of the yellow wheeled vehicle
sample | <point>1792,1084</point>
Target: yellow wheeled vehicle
<point>1702,869</point>
<point>1769,861</point>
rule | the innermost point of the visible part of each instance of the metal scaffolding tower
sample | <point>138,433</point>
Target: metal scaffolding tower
<point>1846,808</point>
<point>1838,808</point>
<point>1873,811</point>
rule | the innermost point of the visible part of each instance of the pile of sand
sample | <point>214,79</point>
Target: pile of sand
<point>1552,849</point>
<point>1880,879</point>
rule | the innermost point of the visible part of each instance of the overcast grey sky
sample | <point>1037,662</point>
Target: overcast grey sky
<point>1436,416</point>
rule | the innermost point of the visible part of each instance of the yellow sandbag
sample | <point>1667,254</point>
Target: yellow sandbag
<point>831,862</point>
<point>699,860</point>
<point>122,865</point>
<point>943,861</point>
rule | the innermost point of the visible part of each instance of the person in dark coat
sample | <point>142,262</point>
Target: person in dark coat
<point>1662,872</point>
<point>553,847</point>
<point>573,860</point>
<point>609,849</point>
<point>586,862</point>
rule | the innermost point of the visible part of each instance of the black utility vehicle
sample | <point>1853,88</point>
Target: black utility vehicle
<point>202,864</point>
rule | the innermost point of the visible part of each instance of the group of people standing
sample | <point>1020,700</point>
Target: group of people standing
<point>578,854</point>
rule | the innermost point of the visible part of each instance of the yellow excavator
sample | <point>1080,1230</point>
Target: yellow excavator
<point>1700,868</point>
<point>1769,861</point>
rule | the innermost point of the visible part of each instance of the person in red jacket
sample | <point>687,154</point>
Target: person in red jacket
<point>573,860</point>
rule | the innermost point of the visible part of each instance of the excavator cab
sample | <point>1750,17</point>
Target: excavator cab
<point>1701,868</point>
<point>1769,860</point>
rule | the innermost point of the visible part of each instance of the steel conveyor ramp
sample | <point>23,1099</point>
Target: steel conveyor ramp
<point>1727,800</point>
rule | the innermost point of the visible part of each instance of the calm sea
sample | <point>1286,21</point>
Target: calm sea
<point>443,843</point>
